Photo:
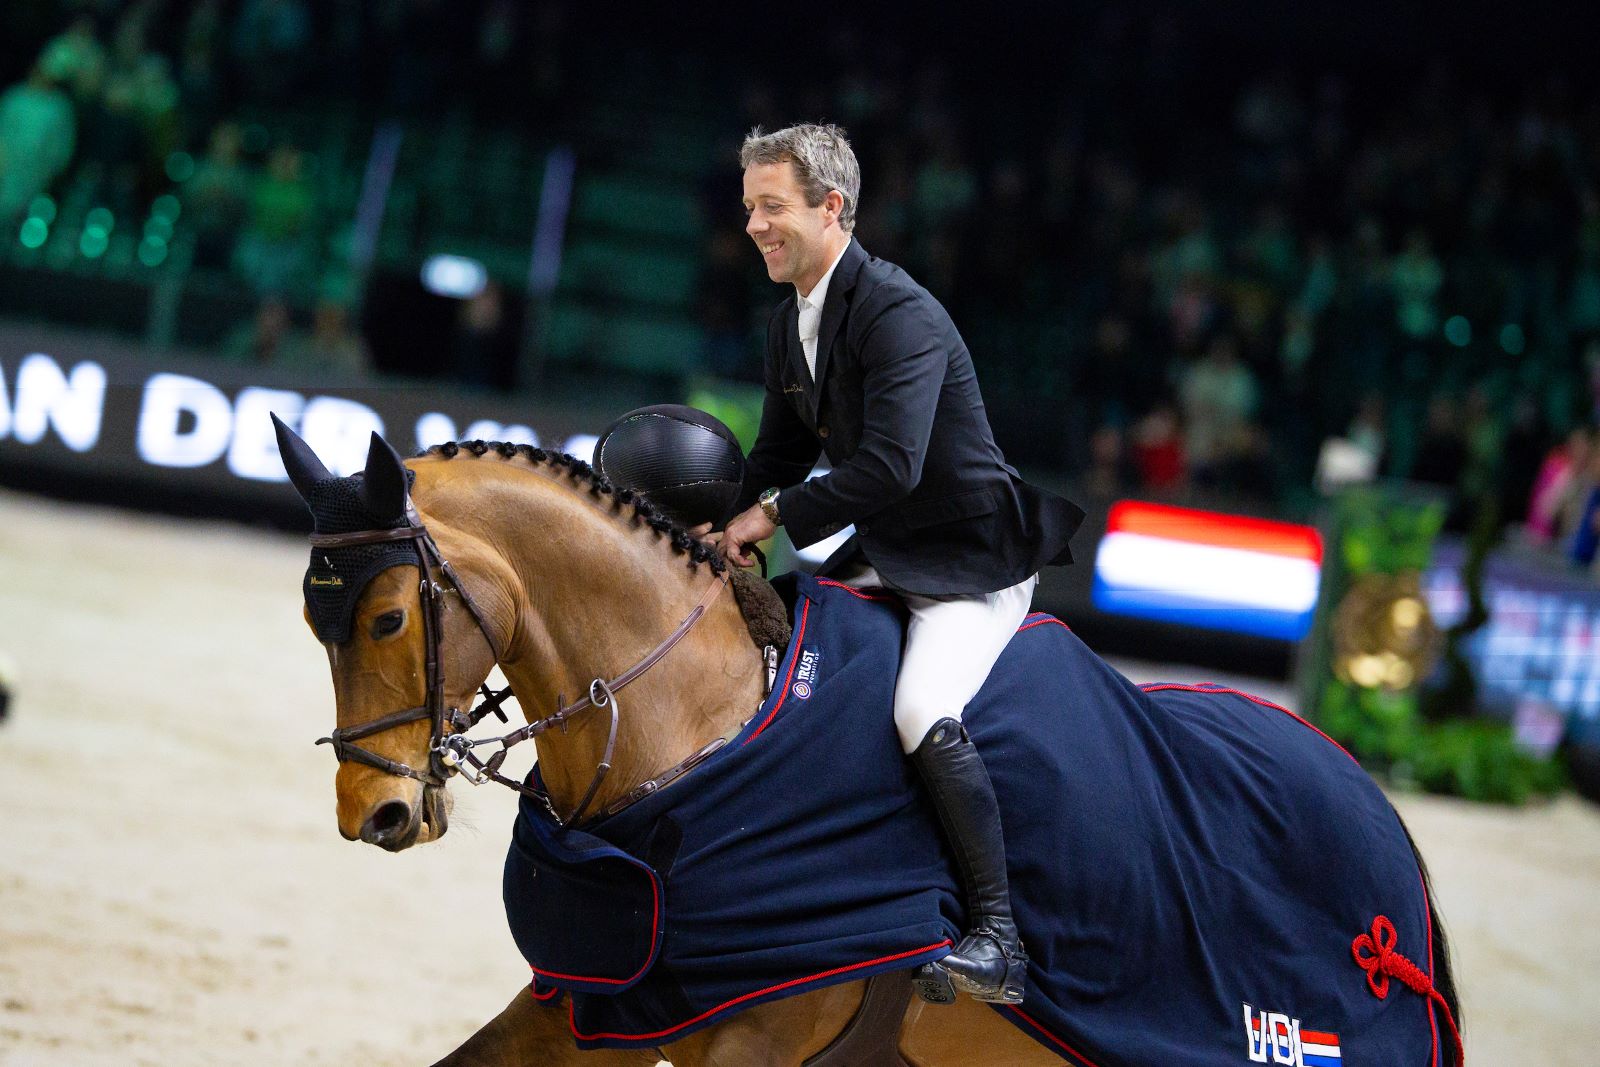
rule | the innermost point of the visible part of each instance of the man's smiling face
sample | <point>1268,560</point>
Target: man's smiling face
<point>792,236</point>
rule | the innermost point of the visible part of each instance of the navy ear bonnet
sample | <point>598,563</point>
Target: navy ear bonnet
<point>377,498</point>
<point>685,460</point>
<point>336,576</point>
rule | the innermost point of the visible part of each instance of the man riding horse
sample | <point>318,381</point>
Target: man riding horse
<point>863,364</point>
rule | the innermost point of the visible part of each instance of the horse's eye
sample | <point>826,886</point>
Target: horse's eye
<point>388,623</point>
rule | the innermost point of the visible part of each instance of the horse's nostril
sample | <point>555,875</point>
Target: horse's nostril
<point>387,822</point>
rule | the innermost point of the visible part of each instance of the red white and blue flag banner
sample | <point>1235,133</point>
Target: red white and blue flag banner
<point>1208,569</point>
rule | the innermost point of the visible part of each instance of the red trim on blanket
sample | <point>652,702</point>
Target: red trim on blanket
<point>1043,620</point>
<point>573,1021</point>
<point>650,957</point>
<point>852,590</point>
<point>1433,1023</point>
<point>555,991</point>
<point>1037,1025</point>
<point>1212,687</point>
<point>805,613</point>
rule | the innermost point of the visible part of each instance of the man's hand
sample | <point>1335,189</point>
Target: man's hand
<point>747,528</point>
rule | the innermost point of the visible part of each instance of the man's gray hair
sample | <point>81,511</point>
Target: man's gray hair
<point>822,159</point>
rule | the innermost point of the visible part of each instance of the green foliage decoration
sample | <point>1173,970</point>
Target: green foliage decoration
<point>1379,531</point>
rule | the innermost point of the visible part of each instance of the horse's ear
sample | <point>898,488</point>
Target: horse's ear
<point>383,485</point>
<point>305,469</point>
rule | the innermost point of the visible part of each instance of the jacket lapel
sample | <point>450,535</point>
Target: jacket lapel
<point>833,309</point>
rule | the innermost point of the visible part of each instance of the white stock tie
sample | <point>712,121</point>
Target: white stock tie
<point>810,322</point>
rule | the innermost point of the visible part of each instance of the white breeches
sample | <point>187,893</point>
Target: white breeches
<point>951,645</point>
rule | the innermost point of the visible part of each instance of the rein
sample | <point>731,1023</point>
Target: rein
<point>452,752</point>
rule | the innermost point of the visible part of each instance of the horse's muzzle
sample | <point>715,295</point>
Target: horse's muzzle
<point>436,810</point>
<point>393,826</point>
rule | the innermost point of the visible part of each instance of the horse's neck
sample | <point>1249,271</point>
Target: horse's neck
<point>595,594</point>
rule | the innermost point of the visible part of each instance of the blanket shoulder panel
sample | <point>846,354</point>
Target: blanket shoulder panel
<point>809,855</point>
<point>586,915</point>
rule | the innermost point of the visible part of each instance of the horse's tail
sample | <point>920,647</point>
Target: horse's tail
<point>1443,978</point>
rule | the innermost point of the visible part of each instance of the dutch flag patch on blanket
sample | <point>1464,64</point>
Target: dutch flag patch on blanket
<point>1277,1038</point>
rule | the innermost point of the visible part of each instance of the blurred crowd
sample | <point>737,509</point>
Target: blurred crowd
<point>128,100</point>
<point>1178,270</point>
<point>1232,281</point>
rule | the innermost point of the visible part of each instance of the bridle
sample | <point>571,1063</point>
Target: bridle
<point>451,751</point>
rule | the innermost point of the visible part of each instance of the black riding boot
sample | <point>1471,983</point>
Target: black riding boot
<point>989,963</point>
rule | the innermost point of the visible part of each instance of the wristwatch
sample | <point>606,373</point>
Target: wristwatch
<point>769,506</point>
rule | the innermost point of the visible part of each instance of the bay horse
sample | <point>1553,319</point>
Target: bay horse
<point>529,560</point>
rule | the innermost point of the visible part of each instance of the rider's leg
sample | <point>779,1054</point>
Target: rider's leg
<point>951,645</point>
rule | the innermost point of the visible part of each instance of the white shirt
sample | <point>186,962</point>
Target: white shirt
<point>811,313</point>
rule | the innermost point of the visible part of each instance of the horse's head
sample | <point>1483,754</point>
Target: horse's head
<point>402,657</point>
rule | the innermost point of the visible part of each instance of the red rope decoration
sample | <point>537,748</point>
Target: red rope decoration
<point>1375,954</point>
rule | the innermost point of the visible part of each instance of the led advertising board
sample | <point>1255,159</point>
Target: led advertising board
<point>1541,643</point>
<point>80,407</point>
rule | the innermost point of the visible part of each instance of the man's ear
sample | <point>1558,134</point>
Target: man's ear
<point>834,202</point>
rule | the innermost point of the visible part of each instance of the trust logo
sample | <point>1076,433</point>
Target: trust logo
<point>805,673</point>
<point>1273,1037</point>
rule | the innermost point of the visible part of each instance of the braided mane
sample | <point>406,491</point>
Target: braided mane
<point>644,512</point>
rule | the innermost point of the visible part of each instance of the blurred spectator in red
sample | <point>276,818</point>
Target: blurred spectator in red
<point>271,251</point>
<point>1562,466</point>
<point>37,134</point>
<point>1158,450</point>
<point>1580,526</point>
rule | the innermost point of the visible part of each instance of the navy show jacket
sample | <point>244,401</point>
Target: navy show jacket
<point>896,408</point>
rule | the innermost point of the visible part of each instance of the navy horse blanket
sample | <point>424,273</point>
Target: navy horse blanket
<point>1200,877</point>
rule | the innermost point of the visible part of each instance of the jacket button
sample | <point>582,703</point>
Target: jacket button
<point>822,431</point>
<point>861,528</point>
